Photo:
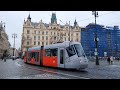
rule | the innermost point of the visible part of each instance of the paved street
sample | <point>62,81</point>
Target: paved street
<point>17,69</point>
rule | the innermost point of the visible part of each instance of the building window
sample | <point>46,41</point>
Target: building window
<point>51,27</point>
<point>28,31</point>
<point>38,37</point>
<point>38,32</point>
<point>51,33</point>
<point>42,37</point>
<point>34,43</point>
<point>34,32</point>
<point>43,43</point>
<point>46,37</point>
<point>54,33</point>
<point>46,32</point>
<point>34,37</point>
<point>46,43</point>
<point>38,43</point>
<point>27,37</point>
<point>43,33</point>
<point>27,43</point>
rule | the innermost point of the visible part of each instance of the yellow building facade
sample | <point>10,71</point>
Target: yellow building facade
<point>39,34</point>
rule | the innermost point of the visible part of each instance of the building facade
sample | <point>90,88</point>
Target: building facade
<point>109,40</point>
<point>4,43</point>
<point>35,34</point>
<point>15,51</point>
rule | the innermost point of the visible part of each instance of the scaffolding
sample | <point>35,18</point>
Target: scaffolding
<point>109,40</point>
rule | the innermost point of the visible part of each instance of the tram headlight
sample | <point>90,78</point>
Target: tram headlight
<point>81,61</point>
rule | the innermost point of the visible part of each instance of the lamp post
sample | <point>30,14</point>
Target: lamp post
<point>14,36</point>
<point>95,13</point>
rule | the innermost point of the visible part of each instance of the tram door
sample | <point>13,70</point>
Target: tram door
<point>36,57</point>
<point>29,56</point>
<point>61,54</point>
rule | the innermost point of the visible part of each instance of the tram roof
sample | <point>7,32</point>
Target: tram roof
<point>56,45</point>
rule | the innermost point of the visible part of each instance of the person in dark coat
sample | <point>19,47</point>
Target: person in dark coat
<point>108,59</point>
<point>4,55</point>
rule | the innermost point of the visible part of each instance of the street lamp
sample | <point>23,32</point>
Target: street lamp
<point>95,13</point>
<point>14,36</point>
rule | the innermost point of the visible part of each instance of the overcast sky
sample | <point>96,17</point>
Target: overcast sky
<point>14,20</point>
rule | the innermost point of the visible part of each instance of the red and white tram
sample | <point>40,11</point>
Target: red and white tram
<point>62,55</point>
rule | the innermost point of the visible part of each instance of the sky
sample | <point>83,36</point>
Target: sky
<point>14,20</point>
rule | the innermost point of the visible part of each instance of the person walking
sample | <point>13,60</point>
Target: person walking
<point>111,59</point>
<point>5,55</point>
<point>108,59</point>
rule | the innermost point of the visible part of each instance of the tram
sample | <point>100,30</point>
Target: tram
<point>69,55</point>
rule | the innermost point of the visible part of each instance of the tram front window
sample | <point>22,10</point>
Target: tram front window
<point>79,50</point>
<point>70,51</point>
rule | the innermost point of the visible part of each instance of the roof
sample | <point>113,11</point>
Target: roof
<point>34,24</point>
<point>62,45</point>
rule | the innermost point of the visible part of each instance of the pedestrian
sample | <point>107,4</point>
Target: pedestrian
<point>108,59</point>
<point>111,60</point>
<point>4,55</point>
<point>118,58</point>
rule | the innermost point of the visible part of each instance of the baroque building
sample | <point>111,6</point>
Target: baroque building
<point>4,43</point>
<point>35,34</point>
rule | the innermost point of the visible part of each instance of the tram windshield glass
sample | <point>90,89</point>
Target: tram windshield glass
<point>70,50</point>
<point>79,50</point>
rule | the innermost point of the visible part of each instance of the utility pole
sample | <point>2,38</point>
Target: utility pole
<point>69,30</point>
<point>95,13</point>
<point>14,36</point>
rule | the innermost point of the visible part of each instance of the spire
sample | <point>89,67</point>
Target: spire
<point>24,19</point>
<point>41,20</point>
<point>29,18</point>
<point>53,18</point>
<point>75,23</point>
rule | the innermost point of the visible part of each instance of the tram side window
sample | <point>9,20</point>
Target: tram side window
<point>70,50</point>
<point>48,52</point>
<point>33,54</point>
<point>51,52</point>
<point>29,56</point>
<point>54,52</point>
<point>36,56</point>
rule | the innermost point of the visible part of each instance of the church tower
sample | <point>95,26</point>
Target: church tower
<point>53,19</point>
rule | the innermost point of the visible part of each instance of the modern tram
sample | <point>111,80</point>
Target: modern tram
<point>69,55</point>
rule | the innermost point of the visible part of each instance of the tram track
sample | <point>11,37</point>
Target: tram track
<point>53,72</point>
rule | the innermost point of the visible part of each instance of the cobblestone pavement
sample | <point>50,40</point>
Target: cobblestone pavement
<point>17,69</point>
<point>104,70</point>
<point>11,69</point>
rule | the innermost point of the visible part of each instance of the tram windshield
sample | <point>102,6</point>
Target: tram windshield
<point>79,50</point>
<point>70,50</point>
